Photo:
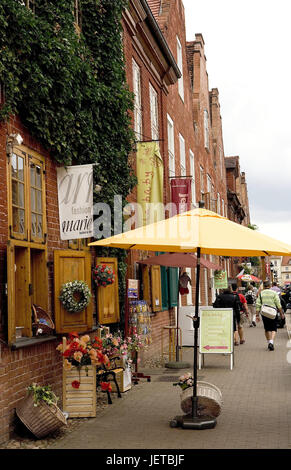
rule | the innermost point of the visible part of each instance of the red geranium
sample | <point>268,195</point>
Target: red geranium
<point>76,384</point>
<point>106,387</point>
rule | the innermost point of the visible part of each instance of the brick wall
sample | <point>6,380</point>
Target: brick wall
<point>38,363</point>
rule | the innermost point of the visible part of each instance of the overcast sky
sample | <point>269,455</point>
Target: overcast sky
<point>248,49</point>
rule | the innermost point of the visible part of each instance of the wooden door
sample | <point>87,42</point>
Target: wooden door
<point>108,297</point>
<point>70,266</point>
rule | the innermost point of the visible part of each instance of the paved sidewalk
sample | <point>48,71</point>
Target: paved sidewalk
<point>256,412</point>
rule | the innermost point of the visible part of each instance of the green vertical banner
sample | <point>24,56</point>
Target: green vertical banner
<point>150,175</point>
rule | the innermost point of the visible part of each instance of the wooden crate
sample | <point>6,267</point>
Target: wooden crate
<point>123,378</point>
<point>81,402</point>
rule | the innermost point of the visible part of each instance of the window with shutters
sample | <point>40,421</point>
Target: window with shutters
<point>137,99</point>
<point>27,275</point>
<point>79,244</point>
<point>26,196</point>
<point>171,146</point>
<point>182,155</point>
<point>154,113</point>
<point>180,65</point>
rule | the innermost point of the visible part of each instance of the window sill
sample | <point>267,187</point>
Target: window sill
<point>26,342</point>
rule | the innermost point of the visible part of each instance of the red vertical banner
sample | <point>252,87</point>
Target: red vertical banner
<point>181,193</point>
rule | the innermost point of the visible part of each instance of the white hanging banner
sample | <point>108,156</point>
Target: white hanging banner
<point>75,194</point>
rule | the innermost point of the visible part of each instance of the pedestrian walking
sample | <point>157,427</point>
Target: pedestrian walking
<point>255,289</point>
<point>268,297</point>
<point>251,299</point>
<point>227,299</point>
<point>243,312</point>
<point>275,288</point>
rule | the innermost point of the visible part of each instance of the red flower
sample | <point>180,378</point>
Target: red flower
<point>76,384</point>
<point>106,387</point>
<point>73,335</point>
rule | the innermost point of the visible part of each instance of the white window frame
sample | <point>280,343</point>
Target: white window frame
<point>182,155</point>
<point>180,65</point>
<point>192,173</point>
<point>218,204</point>
<point>206,129</point>
<point>201,176</point>
<point>171,146</point>
<point>154,113</point>
<point>209,183</point>
<point>222,207</point>
<point>137,99</point>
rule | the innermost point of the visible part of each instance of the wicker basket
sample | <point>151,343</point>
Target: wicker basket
<point>209,399</point>
<point>42,419</point>
<point>42,323</point>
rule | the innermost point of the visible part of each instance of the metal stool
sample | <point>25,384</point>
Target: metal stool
<point>172,342</point>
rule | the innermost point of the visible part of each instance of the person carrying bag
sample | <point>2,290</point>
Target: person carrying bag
<point>268,302</point>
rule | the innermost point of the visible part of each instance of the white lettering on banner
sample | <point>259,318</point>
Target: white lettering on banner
<point>75,194</point>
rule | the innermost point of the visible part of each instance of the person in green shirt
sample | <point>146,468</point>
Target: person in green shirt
<point>271,298</point>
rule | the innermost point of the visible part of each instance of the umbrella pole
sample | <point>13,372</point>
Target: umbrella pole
<point>193,421</point>
<point>196,326</point>
<point>177,331</point>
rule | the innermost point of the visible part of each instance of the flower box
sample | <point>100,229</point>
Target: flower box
<point>80,402</point>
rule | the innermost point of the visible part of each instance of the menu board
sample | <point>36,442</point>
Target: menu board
<point>216,330</point>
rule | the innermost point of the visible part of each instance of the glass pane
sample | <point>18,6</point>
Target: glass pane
<point>38,177</point>
<point>32,199</point>
<point>20,169</point>
<point>21,195</point>
<point>33,224</point>
<point>15,222</point>
<point>39,202</point>
<point>14,165</point>
<point>32,175</point>
<point>21,221</point>
<point>39,226</point>
<point>14,192</point>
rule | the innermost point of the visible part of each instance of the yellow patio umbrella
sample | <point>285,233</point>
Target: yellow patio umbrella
<point>199,228</point>
<point>203,232</point>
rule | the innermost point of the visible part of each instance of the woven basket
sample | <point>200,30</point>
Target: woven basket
<point>209,400</point>
<point>42,419</point>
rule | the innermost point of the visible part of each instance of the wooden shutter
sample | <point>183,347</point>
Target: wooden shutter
<point>11,294</point>
<point>173,286</point>
<point>165,288</point>
<point>156,288</point>
<point>108,297</point>
<point>72,265</point>
<point>146,284</point>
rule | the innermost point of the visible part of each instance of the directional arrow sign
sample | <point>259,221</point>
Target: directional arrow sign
<point>214,347</point>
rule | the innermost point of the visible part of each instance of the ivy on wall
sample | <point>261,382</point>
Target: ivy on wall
<point>70,89</point>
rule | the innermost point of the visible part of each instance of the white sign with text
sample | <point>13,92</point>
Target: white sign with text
<point>75,194</point>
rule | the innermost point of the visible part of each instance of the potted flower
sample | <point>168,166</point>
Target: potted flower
<point>81,355</point>
<point>103,275</point>
<point>39,411</point>
<point>209,396</point>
